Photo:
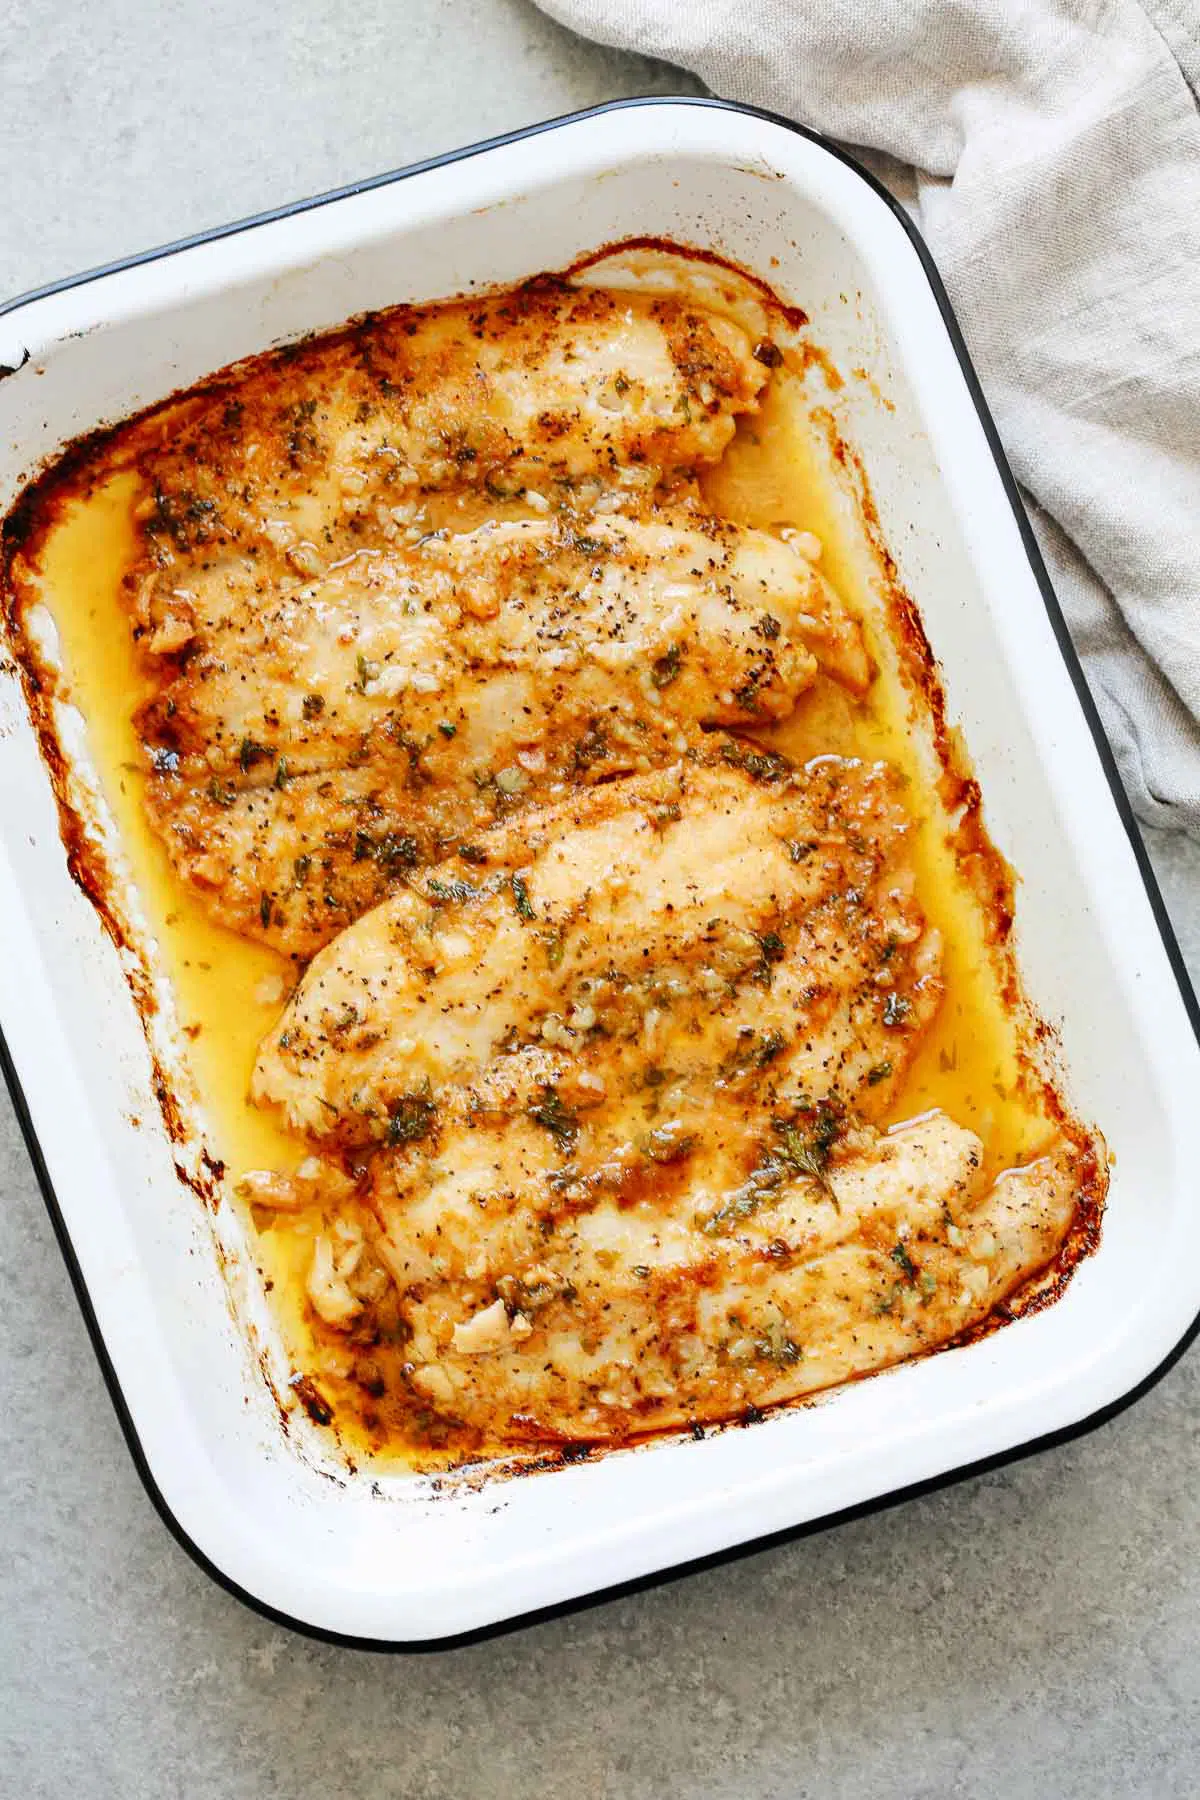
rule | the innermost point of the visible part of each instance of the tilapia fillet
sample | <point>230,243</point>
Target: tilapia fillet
<point>683,941</point>
<point>549,389</point>
<point>548,1311</point>
<point>319,740</point>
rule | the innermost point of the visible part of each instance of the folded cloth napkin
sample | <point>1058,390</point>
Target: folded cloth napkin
<point>1051,153</point>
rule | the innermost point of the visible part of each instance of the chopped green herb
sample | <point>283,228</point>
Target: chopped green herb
<point>555,948</point>
<point>591,748</point>
<point>472,853</point>
<point>314,705</point>
<point>222,792</point>
<point>412,1117</point>
<point>300,869</point>
<point>904,1262</point>
<point>250,753</point>
<point>447,727</point>
<point>264,908</point>
<point>665,669</point>
<point>553,1116</point>
<point>804,1157</point>
<point>806,1151</point>
<point>521,900</point>
<point>768,1050</point>
<point>799,852</point>
<point>452,890</point>
<point>896,1009</point>
<point>391,851</point>
<point>396,850</point>
<point>367,671</point>
<point>761,765</point>
<point>879,1073</point>
<point>282,773</point>
<point>662,816</point>
<point>746,1199</point>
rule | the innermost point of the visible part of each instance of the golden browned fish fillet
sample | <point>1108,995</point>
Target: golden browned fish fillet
<point>676,944</point>
<point>531,396</point>
<point>319,740</point>
<point>698,1290</point>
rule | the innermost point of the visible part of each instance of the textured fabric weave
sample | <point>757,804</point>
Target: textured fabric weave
<point>1051,156</point>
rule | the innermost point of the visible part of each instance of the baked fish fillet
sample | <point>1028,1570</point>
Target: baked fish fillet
<point>544,1312</point>
<point>319,740</point>
<point>671,946</point>
<point>299,457</point>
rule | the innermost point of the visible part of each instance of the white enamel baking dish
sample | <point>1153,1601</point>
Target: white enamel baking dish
<point>408,1560</point>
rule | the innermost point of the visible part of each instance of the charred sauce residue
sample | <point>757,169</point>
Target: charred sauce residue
<point>95,458</point>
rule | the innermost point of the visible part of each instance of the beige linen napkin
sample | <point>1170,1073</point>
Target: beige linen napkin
<point>1052,161</point>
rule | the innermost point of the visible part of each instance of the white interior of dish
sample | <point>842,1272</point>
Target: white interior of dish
<point>407,1560</point>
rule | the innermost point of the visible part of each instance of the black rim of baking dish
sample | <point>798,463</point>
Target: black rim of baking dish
<point>861,1509</point>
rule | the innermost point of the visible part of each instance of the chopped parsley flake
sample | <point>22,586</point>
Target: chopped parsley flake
<point>452,890</point>
<point>665,669</point>
<point>412,1117</point>
<point>904,1262</point>
<point>806,1151</point>
<point>761,765</point>
<point>391,850</point>
<point>549,1111</point>
<point>250,753</point>
<point>521,898</point>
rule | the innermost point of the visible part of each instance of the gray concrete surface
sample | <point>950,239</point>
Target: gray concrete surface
<point>1034,1632</point>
